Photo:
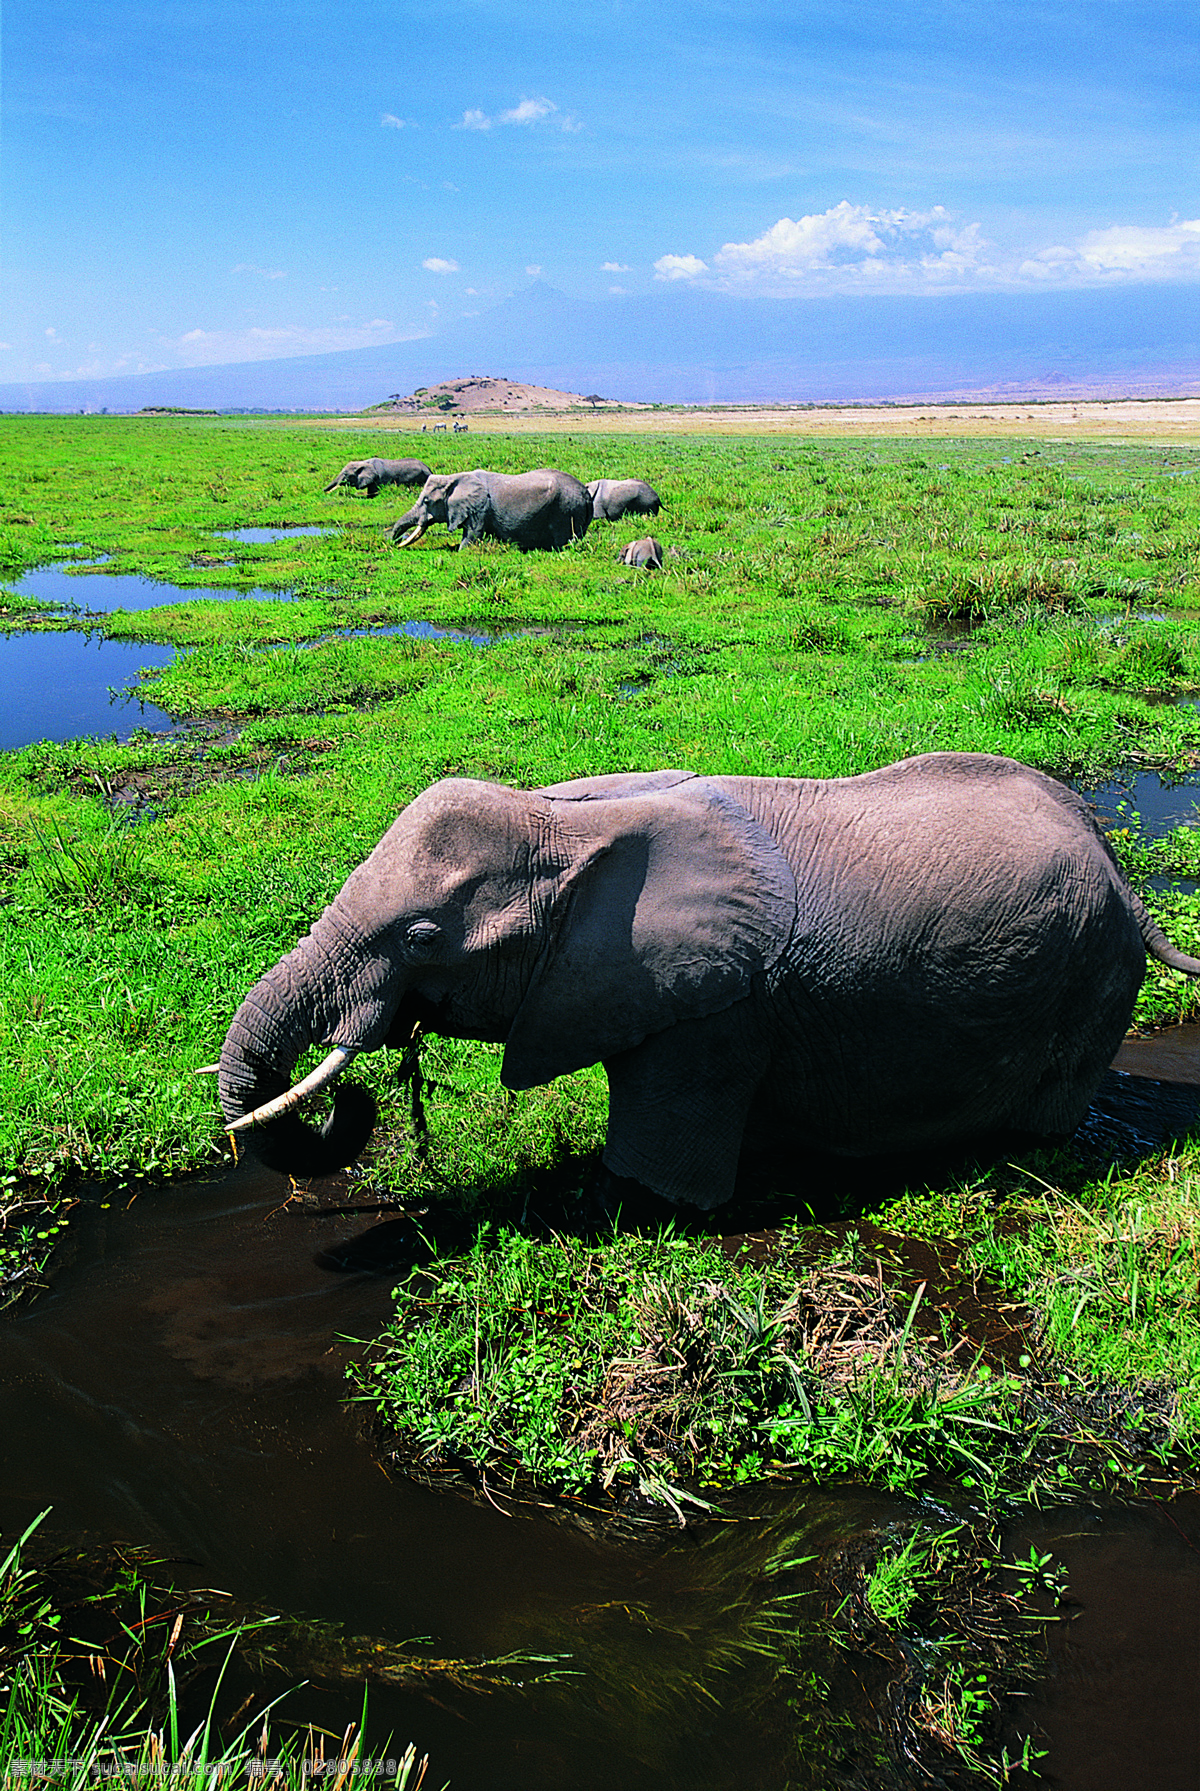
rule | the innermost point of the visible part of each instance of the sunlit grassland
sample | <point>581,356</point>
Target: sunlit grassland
<point>825,609</point>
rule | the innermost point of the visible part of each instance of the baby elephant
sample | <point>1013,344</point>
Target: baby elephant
<point>614,498</point>
<point>646,553</point>
<point>369,475</point>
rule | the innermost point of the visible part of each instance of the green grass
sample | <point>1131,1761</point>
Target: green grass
<point>827,608</point>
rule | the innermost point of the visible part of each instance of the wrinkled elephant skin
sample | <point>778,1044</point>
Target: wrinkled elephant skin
<point>370,475</point>
<point>928,952</point>
<point>614,498</point>
<point>543,509</point>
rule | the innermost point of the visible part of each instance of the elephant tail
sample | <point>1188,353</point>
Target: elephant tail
<point>1157,943</point>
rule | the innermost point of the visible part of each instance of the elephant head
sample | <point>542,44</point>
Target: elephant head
<point>433,505</point>
<point>569,924</point>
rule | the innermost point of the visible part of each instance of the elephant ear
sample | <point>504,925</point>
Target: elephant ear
<point>467,501</point>
<point>673,901</point>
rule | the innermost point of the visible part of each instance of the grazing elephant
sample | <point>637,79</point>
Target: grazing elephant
<point>936,950</point>
<point>614,498</point>
<point>542,509</point>
<point>369,475</point>
<point>647,552</point>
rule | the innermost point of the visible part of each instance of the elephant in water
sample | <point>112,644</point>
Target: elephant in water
<point>646,553</point>
<point>369,475</point>
<point>542,509</point>
<point>925,953</point>
<point>614,498</point>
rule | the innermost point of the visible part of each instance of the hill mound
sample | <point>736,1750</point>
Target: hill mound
<point>459,397</point>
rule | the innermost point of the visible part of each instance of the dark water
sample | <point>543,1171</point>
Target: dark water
<point>180,1387</point>
<point>1119,1707</point>
<point>56,686</point>
<point>1158,804</point>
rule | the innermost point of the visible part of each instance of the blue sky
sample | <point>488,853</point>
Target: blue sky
<point>200,182</point>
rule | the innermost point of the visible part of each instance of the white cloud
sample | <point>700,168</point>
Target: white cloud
<point>859,248</point>
<point>619,290</point>
<point>471,292</point>
<point>1122,252</point>
<point>436,265</point>
<point>528,111</point>
<point>381,323</point>
<point>613,267</point>
<point>679,267</point>
<point>448,186</point>
<point>398,124</point>
<point>5,345</point>
<point>264,273</point>
<point>534,269</point>
<point>53,335</point>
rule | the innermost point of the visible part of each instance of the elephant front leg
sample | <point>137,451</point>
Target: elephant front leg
<point>677,1104</point>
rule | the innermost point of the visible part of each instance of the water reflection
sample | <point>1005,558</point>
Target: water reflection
<point>55,686</point>
<point>100,593</point>
<point>1159,805</point>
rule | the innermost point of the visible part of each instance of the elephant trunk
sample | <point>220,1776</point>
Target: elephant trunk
<point>326,991</point>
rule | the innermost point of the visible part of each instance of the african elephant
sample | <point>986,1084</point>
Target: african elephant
<point>647,552</point>
<point>936,950</point>
<point>614,498</point>
<point>542,509</point>
<point>369,475</point>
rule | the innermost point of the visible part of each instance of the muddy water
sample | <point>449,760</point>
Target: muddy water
<point>180,1386</point>
<point>1130,1634</point>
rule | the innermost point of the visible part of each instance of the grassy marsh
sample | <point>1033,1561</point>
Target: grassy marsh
<point>824,608</point>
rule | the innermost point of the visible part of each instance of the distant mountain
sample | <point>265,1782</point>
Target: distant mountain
<point>682,346</point>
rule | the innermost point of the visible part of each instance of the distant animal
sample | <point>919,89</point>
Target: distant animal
<point>614,498</point>
<point>369,475</point>
<point>461,428</point>
<point>647,553</point>
<point>543,509</point>
<point>439,429</point>
<point>926,953</point>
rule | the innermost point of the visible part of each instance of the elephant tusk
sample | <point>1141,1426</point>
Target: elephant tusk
<point>325,1072</point>
<point>208,1069</point>
<point>412,535</point>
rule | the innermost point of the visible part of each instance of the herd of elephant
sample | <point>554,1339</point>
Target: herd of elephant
<point>539,510</point>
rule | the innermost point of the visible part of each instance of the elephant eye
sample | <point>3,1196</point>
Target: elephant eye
<point>423,938</point>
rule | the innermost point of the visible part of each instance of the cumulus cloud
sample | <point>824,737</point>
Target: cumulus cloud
<point>397,124</point>
<point>613,267</point>
<point>858,247</point>
<point>863,248</point>
<point>1122,252</point>
<point>527,111</point>
<point>679,267</point>
<point>437,265</point>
